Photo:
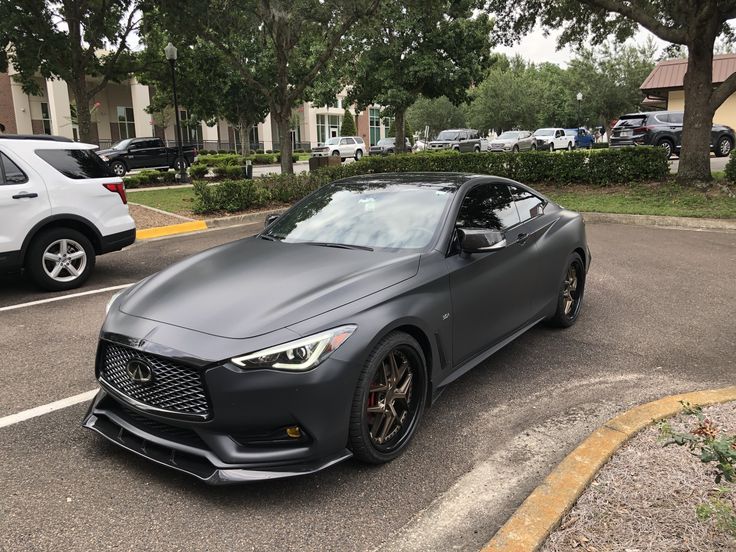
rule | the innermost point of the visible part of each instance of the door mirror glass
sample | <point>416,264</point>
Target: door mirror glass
<point>480,240</point>
<point>270,219</point>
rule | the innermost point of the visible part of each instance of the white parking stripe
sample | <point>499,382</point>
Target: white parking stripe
<point>62,297</point>
<point>46,408</point>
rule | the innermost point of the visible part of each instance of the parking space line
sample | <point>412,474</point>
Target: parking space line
<point>47,408</point>
<point>62,297</point>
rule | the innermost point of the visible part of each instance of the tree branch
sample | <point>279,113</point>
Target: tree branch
<point>723,91</point>
<point>130,26</point>
<point>646,20</point>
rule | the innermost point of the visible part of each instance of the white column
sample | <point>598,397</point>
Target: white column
<point>266,134</point>
<point>59,109</point>
<point>209,134</point>
<point>141,100</point>
<point>310,121</point>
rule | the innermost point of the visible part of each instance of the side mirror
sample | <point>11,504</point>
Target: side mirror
<point>270,219</point>
<point>480,240</point>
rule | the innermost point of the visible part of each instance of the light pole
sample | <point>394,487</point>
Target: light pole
<point>580,99</point>
<point>170,52</point>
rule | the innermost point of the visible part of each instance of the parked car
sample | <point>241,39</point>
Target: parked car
<point>664,128</point>
<point>387,146</point>
<point>583,138</point>
<point>146,153</point>
<point>369,297</point>
<point>420,145</point>
<point>342,147</point>
<point>514,141</point>
<point>553,139</point>
<point>61,206</point>
<point>459,139</point>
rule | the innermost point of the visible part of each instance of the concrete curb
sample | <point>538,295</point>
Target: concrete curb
<point>658,220</point>
<point>528,527</point>
<point>160,231</point>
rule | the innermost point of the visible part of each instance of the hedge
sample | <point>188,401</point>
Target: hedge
<point>591,167</point>
<point>150,178</point>
<point>231,159</point>
<point>730,169</point>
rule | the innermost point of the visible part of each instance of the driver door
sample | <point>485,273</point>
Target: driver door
<point>487,301</point>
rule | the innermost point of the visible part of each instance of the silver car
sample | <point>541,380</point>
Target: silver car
<point>342,147</point>
<point>514,140</point>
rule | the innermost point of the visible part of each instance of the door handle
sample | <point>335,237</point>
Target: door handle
<point>521,238</point>
<point>25,195</point>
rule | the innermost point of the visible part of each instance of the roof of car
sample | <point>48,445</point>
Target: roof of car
<point>41,141</point>
<point>42,137</point>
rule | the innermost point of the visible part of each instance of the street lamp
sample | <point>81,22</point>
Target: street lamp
<point>580,99</point>
<point>170,52</point>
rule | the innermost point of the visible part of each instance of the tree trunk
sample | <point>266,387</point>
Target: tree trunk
<point>400,131</point>
<point>84,119</point>
<point>244,130</point>
<point>698,120</point>
<point>282,123</point>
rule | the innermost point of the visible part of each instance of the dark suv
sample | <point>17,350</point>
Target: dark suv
<point>664,128</point>
<point>458,139</point>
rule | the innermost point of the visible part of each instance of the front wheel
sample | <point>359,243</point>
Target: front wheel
<point>358,154</point>
<point>389,399</point>
<point>569,146</point>
<point>551,148</point>
<point>570,296</point>
<point>181,164</point>
<point>515,149</point>
<point>60,259</point>
<point>667,146</point>
<point>118,168</point>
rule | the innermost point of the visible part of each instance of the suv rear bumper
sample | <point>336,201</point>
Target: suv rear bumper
<point>115,242</point>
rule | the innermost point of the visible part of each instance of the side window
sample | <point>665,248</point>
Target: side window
<point>11,173</point>
<point>344,141</point>
<point>559,134</point>
<point>527,204</point>
<point>488,206</point>
<point>76,163</point>
<point>676,118</point>
<point>663,118</point>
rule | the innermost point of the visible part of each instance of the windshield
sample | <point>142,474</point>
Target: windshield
<point>448,135</point>
<point>122,144</point>
<point>545,132</point>
<point>509,135</point>
<point>374,214</point>
<point>386,141</point>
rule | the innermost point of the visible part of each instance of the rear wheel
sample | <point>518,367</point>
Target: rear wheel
<point>389,399</point>
<point>180,164</point>
<point>570,296</point>
<point>723,147</point>
<point>60,259</point>
<point>358,154</point>
<point>667,145</point>
<point>515,149</point>
<point>476,149</point>
<point>551,147</point>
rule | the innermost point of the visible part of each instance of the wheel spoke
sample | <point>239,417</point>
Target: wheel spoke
<point>378,409</point>
<point>388,422</point>
<point>71,270</point>
<point>63,247</point>
<point>394,368</point>
<point>57,269</point>
<point>76,255</point>
<point>53,257</point>
<point>403,390</point>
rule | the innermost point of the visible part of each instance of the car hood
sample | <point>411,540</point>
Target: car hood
<point>254,286</point>
<point>106,151</point>
<point>503,140</point>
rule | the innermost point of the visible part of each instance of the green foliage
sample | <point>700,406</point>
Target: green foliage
<point>348,124</point>
<point>730,169</point>
<point>149,178</point>
<point>391,132</point>
<point>436,113</point>
<point>198,170</point>
<point>719,508</point>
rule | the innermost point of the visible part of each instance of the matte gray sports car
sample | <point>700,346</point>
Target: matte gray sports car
<point>326,335</point>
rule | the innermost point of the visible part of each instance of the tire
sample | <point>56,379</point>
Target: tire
<point>569,146</point>
<point>476,149</point>
<point>57,242</point>
<point>551,148</point>
<point>118,168</point>
<point>358,154</point>
<point>569,301</point>
<point>668,146</point>
<point>178,164</point>
<point>534,147</point>
<point>335,153</point>
<point>723,147</point>
<point>515,149</point>
<point>361,441</point>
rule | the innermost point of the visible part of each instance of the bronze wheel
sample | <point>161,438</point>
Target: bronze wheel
<point>570,298</point>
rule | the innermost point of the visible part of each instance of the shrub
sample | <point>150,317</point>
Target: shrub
<point>235,171</point>
<point>264,159</point>
<point>600,145</point>
<point>132,182</point>
<point>198,171</point>
<point>269,151</point>
<point>294,158</point>
<point>730,169</point>
<point>167,177</point>
<point>259,151</point>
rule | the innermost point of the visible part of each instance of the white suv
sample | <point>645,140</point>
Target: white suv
<point>553,139</point>
<point>59,207</point>
<point>342,147</point>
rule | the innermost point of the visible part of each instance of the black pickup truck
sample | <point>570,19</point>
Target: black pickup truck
<point>145,153</point>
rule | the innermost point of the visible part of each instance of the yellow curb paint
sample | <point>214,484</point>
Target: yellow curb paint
<point>528,527</point>
<point>148,233</point>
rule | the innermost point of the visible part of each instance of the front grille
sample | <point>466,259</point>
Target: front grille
<point>175,388</point>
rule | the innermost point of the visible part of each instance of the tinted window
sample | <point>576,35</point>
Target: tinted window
<point>11,174</point>
<point>630,121</point>
<point>676,118</point>
<point>488,206</point>
<point>374,213</point>
<point>76,163</point>
<point>662,118</point>
<point>527,204</point>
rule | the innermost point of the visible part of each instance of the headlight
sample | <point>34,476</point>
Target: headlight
<point>104,158</point>
<point>112,300</point>
<point>298,355</point>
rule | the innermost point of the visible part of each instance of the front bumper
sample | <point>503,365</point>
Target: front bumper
<point>320,153</point>
<point>240,434</point>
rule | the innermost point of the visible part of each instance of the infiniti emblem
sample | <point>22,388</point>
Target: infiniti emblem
<point>139,371</point>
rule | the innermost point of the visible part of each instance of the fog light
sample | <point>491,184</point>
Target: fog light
<point>294,432</point>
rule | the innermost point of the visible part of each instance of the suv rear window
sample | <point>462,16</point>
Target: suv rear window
<point>636,121</point>
<point>76,163</point>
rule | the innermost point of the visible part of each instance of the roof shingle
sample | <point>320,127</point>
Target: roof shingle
<point>671,73</point>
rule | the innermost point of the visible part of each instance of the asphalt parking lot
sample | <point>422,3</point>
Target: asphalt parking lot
<point>659,317</point>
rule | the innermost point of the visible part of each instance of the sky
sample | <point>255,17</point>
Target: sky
<point>537,48</point>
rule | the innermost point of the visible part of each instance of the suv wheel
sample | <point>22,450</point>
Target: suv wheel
<point>724,146</point>
<point>667,145</point>
<point>515,149</point>
<point>551,147</point>
<point>118,168</point>
<point>569,146</point>
<point>60,259</point>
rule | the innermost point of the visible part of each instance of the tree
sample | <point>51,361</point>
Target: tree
<point>281,49</point>
<point>391,132</point>
<point>435,113</point>
<point>429,47</point>
<point>69,40</point>
<point>206,85</point>
<point>695,25</point>
<point>348,124</point>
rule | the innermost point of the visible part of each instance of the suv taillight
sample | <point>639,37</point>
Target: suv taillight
<point>642,130</point>
<point>118,189</point>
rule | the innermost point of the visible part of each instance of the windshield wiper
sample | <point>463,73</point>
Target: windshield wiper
<point>339,245</point>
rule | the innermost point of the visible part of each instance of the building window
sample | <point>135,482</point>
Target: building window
<point>126,122</point>
<point>254,136</point>
<point>328,126</point>
<point>46,118</point>
<point>191,132</point>
<point>374,123</point>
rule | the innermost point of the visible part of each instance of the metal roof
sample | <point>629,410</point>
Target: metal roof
<point>671,73</point>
